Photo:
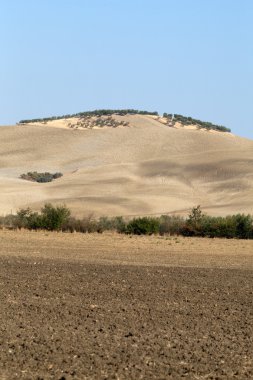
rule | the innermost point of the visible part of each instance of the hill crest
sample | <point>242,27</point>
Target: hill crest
<point>103,118</point>
<point>145,167</point>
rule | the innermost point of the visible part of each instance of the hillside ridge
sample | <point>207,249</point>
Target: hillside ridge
<point>141,166</point>
<point>168,119</point>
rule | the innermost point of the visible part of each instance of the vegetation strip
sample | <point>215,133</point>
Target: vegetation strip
<point>171,118</point>
<point>102,112</point>
<point>186,120</point>
<point>58,218</point>
<point>40,177</point>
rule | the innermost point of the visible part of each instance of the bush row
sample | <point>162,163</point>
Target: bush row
<point>185,120</point>
<point>108,112</point>
<point>238,226</point>
<point>56,218</point>
<point>102,112</point>
<point>40,177</point>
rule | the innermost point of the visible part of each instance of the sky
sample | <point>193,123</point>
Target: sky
<point>192,57</point>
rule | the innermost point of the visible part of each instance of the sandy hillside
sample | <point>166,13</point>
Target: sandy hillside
<point>126,165</point>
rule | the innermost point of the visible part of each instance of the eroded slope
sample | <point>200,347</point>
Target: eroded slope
<point>141,166</point>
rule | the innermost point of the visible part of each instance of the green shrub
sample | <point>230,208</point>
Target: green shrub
<point>112,224</point>
<point>238,226</point>
<point>119,224</point>
<point>143,226</point>
<point>54,217</point>
<point>26,218</point>
<point>51,218</point>
<point>195,218</point>
<point>186,120</point>
<point>244,226</point>
<point>170,224</point>
<point>40,177</point>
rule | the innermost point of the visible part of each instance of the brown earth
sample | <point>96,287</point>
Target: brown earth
<point>117,307</point>
<point>145,167</point>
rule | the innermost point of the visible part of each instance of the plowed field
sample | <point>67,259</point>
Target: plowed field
<point>115,307</point>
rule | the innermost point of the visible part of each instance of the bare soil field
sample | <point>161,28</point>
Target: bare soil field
<point>106,306</point>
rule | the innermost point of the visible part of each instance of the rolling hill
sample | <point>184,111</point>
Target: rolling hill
<point>130,164</point>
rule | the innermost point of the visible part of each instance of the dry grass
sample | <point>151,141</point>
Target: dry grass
<point>109,248</point>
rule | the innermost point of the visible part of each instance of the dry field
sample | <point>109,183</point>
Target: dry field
<point>145,167</point>
<point>106,306</point>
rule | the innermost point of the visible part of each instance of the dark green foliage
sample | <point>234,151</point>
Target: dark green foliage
<point>26,218</point>
<point>244,226</point>
<point>186,120</point>
<point>57,175</point>
<point>102,112</point>
<point>195,217</point>
<point>51,218</point>
<point>170,224</point>
<point>168,115</point>
<point>40,177</point>
<point>54,217</point>
<point>143,226</point>
<point>112,224</point>
<point>238,226</point>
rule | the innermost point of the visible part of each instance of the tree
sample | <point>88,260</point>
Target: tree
<point>195,217</point>
<point>53,218</point>
<point>143,226</point>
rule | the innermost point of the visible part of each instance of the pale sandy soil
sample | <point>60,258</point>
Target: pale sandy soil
<point>144,168</point>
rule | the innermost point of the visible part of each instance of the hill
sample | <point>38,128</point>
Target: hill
<point>126,164</point>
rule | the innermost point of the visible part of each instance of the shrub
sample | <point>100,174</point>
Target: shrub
<point>185,120</point>
<point>143,226</point>
<point>233,226</point>
<point>112,224</point>
<point>57,175</point>
<point>244,226</point>
<point>195,217</point>
<point>170,224</point>
<point>40,177</point>
<point>26,218</point>
<point>84,225</point>
<point>119,224</point>
<point>192,225</point>
<point>8,221</point>
<point>53,218</point>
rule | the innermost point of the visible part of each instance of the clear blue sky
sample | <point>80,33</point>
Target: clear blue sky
<point>193,57</point>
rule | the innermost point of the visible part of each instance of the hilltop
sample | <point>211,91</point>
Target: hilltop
<point>126,162</point>
<point>100,118</point>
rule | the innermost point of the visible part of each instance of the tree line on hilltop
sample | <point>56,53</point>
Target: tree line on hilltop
<point>186,120</point>
<point>102,112</point>
<point>172,118</point>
